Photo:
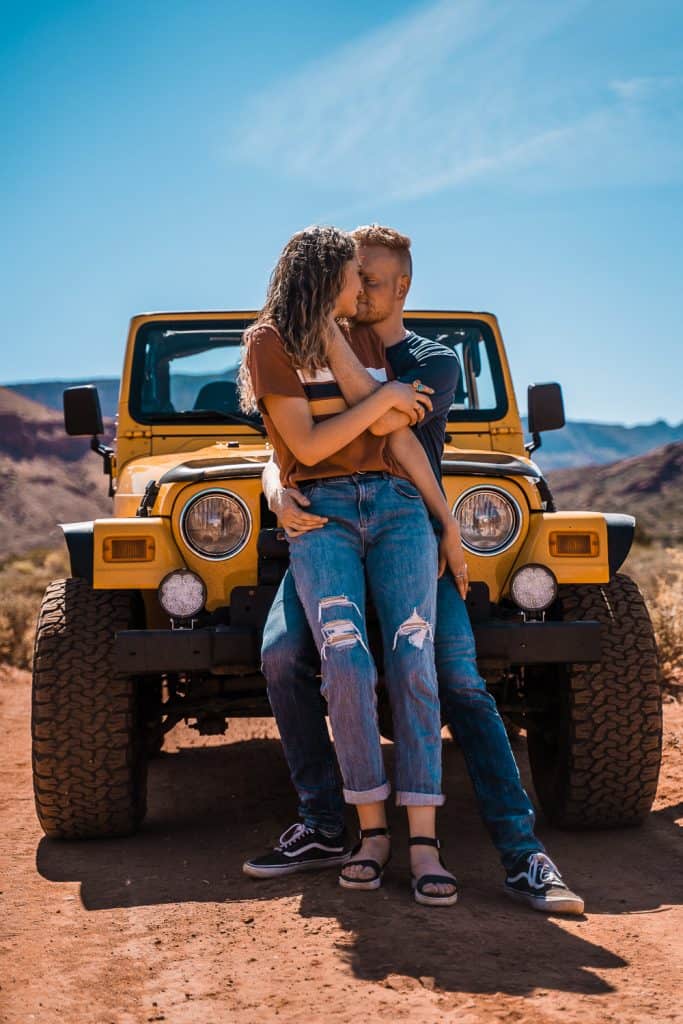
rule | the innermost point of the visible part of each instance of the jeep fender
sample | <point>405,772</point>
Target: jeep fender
<point>620,531</point>
<point>79,541</point>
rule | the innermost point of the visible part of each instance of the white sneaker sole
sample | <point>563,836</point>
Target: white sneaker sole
<point>559,905</point>
<point>258,871</point>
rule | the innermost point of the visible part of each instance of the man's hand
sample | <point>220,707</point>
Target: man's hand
<point>452,554</point>
<point>287,504</point>
<point>407,399</point>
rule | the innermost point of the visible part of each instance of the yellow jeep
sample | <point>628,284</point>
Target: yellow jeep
<point>161,619</point>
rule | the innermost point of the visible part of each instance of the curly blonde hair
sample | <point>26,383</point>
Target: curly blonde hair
<point>302,291</point>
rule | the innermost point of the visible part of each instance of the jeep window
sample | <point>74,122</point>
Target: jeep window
<point>188,369</point>
<point>185,370</point>
<point>480,394</point>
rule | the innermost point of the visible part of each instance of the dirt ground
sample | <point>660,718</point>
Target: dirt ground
<point>164,927</point>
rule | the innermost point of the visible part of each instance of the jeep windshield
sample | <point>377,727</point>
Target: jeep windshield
<point>186,371</point>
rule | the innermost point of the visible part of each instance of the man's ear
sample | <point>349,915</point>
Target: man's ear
<point>403,286</point>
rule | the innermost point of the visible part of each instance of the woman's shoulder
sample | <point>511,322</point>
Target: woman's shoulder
<point>263,333</point>
<point>265,350</point>
<point>264,342</point>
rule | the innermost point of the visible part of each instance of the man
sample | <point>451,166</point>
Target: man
<point>291,662</point>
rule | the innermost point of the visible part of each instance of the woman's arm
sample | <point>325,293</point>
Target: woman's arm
<point>356,384</point>
<point>411,456</point>
<point>311,442</point>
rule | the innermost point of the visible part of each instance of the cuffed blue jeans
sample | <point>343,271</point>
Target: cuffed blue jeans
<point>377,531</point>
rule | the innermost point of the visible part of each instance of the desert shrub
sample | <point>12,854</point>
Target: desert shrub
<point>657,570</point>
<point>22,583</point>
<point>667,617</point>
<point>659,574</point>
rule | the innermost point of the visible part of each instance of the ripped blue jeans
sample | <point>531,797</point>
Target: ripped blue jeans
<point>377,529</point>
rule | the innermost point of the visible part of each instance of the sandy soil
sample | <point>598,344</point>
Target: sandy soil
<point>164,927</point>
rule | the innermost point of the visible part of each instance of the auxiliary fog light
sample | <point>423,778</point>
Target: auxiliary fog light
<point>533,588</point>
<point>182,594</point>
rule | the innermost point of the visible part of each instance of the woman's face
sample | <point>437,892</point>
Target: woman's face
<point>347,300</point>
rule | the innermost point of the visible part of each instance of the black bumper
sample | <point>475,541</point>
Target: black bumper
<point>235,649</point>
<point>538,643</point>
<point>232,648</point>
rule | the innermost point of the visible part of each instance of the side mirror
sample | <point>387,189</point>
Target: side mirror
<point>82,411</point>
<point>545,407</point>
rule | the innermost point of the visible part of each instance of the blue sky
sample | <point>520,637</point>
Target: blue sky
<point>156,155</point>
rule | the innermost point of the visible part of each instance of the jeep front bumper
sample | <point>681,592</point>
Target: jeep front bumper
<point>235,650</point>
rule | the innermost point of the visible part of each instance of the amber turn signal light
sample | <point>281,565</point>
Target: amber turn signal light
<point>128,549</point>
<point>574,545</point>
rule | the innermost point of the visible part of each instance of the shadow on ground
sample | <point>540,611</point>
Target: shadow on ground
<point>211,807</point>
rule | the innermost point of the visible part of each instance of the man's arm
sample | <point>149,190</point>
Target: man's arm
<point>356,384</point>
<point>288,503</point>
<point>271,482</point>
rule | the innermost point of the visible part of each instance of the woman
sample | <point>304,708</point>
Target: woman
<point>377,527</point>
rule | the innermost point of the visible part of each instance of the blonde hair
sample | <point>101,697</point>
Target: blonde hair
<point>389,238</point>
<point>302,291</point>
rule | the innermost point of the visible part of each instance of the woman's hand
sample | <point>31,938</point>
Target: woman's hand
<point>287,504</point>
<point>452,555</point>
<point>408,400</point>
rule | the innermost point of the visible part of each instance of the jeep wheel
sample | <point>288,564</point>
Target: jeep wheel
<point>89,766</point>
<point>151,716</point>
<point>595,751</point>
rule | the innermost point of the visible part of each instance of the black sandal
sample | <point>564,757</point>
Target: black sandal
<point>365,883</point>
<point>432,899</point>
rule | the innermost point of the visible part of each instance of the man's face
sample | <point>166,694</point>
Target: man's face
<point>385,284</point>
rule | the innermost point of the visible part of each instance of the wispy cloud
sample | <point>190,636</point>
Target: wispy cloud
<point>454,94</point>
<point>647,87</point>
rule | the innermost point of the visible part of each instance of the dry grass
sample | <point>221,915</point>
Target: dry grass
<point>22,582</point>
<point>657,570</point>
<point>659,574</point>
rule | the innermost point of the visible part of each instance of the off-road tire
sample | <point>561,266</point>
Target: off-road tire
<point>150,696</point>
<point>89,764</point>
<point>595,754</point>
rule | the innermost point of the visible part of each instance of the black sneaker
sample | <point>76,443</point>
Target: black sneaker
<point>535,880</point>
<point>300,849</point>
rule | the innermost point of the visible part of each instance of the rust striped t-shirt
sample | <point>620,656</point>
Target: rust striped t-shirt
<point>272,373</point>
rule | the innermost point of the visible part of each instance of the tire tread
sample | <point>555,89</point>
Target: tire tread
<point>608,766</point>
<point>88,768</point>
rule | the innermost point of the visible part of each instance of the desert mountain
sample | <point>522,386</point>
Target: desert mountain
<point>649,487</point>
<point>578,444</point>
<point>49,392</point>
<point>581,443</point>
<point>45,477</point>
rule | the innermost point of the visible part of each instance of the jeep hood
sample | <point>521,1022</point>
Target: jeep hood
<point>219,460</point>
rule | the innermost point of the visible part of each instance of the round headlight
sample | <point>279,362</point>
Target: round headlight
<point>216,524</point>
<point>182,594</point>
<point>489,520</point>
<point>533,588</point>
